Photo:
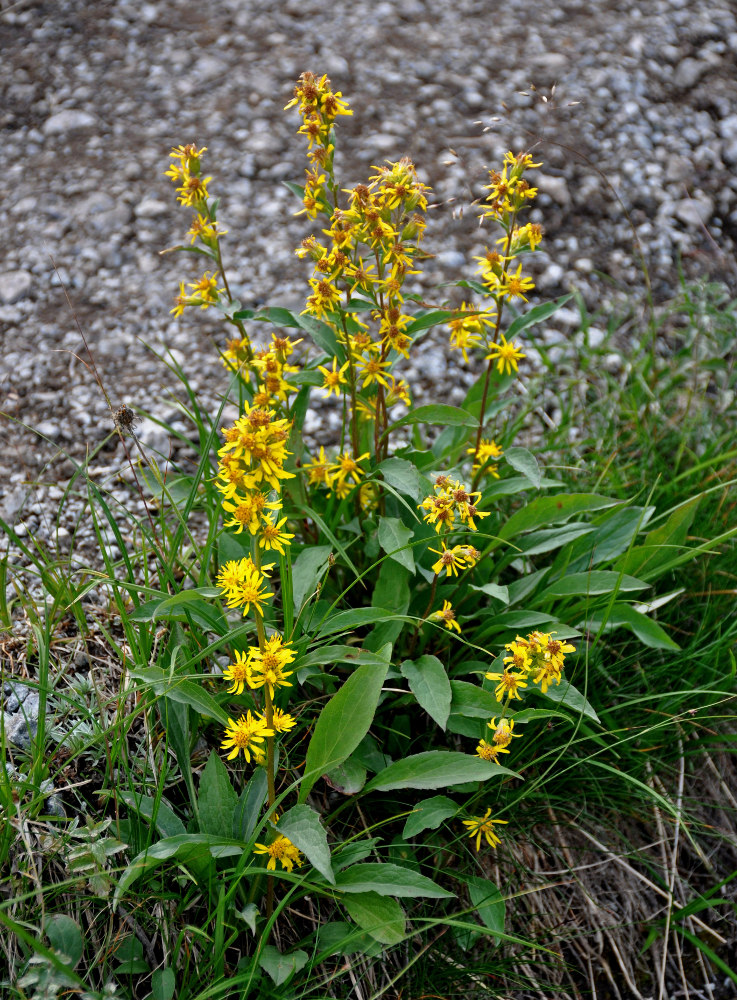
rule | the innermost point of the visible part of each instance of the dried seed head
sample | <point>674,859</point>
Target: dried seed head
<point>124,419</point>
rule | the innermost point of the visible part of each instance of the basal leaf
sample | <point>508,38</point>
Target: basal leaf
<point>389,880</point>
<point>343,723</point>
<point>429,684</point>
<point>380,916</point>
<point>436,769</point>
<point>428,815</point>
<point>303,827</point>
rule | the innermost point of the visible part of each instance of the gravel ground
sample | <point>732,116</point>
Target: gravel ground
<point>94,95</point>
<point>632,105</point>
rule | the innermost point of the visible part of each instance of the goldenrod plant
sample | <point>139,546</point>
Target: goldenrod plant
<point>364,660</point>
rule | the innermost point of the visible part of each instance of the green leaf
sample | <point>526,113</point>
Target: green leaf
<point>499,593</point>
<point>168,824</point>
<point>307,570</point>
<point>570,697</point>
<point>250,802</point>
<point>437,413</point>
<point>182,691</point>
<point>514,485</point>
<point>472,701</point>
<point>646,630</point>
<point>393,538</point>
<point>346,621</point>
<point>598,581</point>
<point>489,902</point>
<point>188,848</point>
<point>525,462</point>
<point>431,318</point>
<point>657,548</point>
<point>348,778</point>
<point>380,916</point>
<point>536,315</point>
<point>249,915</point>
<point>389,880</point>
<point>65,937</point>
<point>281,967</point>
<point>343,723</point>
<point>549,539</point>
<point>303,827</point>
<point>435,769</point>
<point>429,684</point>
<point>428,815</point>
<point>163,984</point>
<point>405,478</point>
<point>611,535</point>
<point>553,510</point>
<point>322,334</point>
<point>217,798</point>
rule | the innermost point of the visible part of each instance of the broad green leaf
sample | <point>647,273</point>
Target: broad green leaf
<point>249,915</point>
<point>187,847</point>
<point>429,319</point>
<point>249,805</point>
<point>184,597</point>
<point>394,537</point>
<point>437,413</point>
<point>598,581</point>
<point>163,816</point>
<point>536,315</point>
<point>281,967</point>
<point>307,570</point>
<point>353,852</point>
<point>611,535</point>
<point>570,697</point>
<point>343,723</point>
<point>303,827</point>
<point>428,815</point>
<point>472,701</point>
<point>346,621</point>
<point>183,691</point>
<point>323,334</point>
<point>405,478</point>
<point>514,485</point>
<point>549,539</point>
<point>380,916</point>
<point>646,630</point>
<point>65,937</point>
<point>391,591</point>
<point>389,880</point>
<point>659,544</point>
<point>348,778</point>
<point>521,619</point>
<point>495,590</point>
<point>489,902</point>
<point>338,937</point>
<point>217,798</point>
<point>525,462</point>
<point>429,684</point>
<point>163,984</point>
<point>436,769</point>
<point>553,510</point>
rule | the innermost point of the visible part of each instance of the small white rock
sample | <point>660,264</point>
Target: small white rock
<point>68,120</point>
<point>14,285</point>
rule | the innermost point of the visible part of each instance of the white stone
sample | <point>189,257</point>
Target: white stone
<point>68,120</point>
<point>14,285</point>
<point>694,211</point>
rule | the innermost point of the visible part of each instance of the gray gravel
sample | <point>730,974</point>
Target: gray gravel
<point>640,115</point>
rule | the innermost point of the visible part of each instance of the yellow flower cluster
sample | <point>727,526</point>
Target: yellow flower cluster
<point>186,173</point>
<point>540,656</point>
<point>339,476</point>
<point>269,365</point>
<point>509,193</point>
<point>485,455</point>
<point>452,500</point>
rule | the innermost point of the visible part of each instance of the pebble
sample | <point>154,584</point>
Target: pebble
<point>67,121</point>
<point>14,285</point>
<point>695,211</point>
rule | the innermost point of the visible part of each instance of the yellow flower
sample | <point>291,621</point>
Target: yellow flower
<point>272,537</point>
<point>514,285</point>
<point>503,733</point>
<point>447,616</point>
<point>281,850</point>
<point>281,721</point>
<point>487,751</point>
<point>451,560</point>
<point>238,673</point>
<point>506,355</point>
<point>318,470</point>
<point>372,370</point>
<point>267,665</point>
<point>508,686</point>
<point>241,735</point>
<point>333,378</point>
<point>483,826</point>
